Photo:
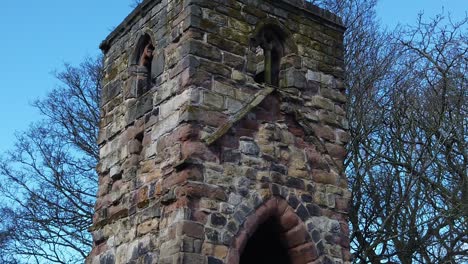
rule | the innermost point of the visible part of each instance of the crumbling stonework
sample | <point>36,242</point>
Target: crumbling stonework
<point>218,117</point>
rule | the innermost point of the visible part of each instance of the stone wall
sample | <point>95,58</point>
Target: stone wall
<point>195,154</point>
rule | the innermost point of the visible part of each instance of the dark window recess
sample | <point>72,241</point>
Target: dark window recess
<point>266,246</point>
<point>269,49</point>
<point>144,59</point>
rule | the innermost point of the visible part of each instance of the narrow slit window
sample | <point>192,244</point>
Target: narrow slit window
<point>269,49</point>
<point>146,57</point>
<point>143,60</point>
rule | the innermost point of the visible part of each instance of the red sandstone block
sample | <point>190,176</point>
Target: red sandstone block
<point>145,138</point>
<point>98,250</point>
<point>129,134</point>
<point>294,129</point>
<point>183,133</point>
<point>272,204</point>
<point>158,189</point>
<point>251,224</point>
<point>296,236</point>
<point>289,220</point>
<point>196,189</point>
<point>102,202</point>
<point>263,213</point>
<point>233,257</point>
<point>191,149</point>
<point>316,160</point>
<point>325,132</point>
<point>179,202</point>
<point>152,176</point>
<point>324,177</point>
<point>98,218</point>
<point>336,151</point>
<point>342,204</point>
<point>304,253</point>
<point>103,185</point>
<point>344,227</point>
<point>200,216</point>
<point>177,178</point>
<point>191,229</point>
<point>346,254</point>
<point>142,197</point>
<point>282,205</point>
<point>343,183</point>
<point>343,241</point>
<point>117,212</point>
<point>212,118</point>
<point>300,143</point>
<point>173,179</point>
<point>343,136</point>
<point>134,146</point>
<point>241,241</point>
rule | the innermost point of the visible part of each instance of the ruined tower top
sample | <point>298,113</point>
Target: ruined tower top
<point>222,135</point>
<point>313,11</point>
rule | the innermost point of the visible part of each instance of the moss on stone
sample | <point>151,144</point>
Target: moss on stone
<point>111,75</point>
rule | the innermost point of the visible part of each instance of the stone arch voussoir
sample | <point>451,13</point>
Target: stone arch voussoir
<point>295,236</point>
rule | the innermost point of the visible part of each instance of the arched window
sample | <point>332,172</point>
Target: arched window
<point>269,48</point>
<point>143,55</point>
<point>143,59</point>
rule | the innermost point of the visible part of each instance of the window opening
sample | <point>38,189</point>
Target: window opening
<point>143,58</point>
<point>269,50</point>
<point>146,57</point>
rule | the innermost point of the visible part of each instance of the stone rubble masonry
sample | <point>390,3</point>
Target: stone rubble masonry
<point>191,163</point>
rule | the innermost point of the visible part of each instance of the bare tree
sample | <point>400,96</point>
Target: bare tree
<point>48,180</point>
<point>7,230</point>
<point>408,159</point>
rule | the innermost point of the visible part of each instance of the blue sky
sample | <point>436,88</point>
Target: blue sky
<point>37,37</point>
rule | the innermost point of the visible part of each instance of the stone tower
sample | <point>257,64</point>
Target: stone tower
<point>222,136</point>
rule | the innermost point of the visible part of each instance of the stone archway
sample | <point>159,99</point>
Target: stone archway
<point>276,222</point>
<point>266,245</point>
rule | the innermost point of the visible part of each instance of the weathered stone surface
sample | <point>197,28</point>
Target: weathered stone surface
<point>199,148</point>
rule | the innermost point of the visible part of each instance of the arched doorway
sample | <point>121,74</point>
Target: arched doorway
<point>266,246</point>
<point>273,233</point>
